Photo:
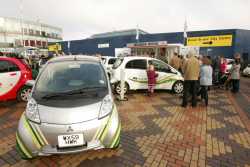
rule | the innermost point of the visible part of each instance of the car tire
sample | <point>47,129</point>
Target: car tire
<point>178,87</point>
<point>23,93</point>
<point>118,88</point>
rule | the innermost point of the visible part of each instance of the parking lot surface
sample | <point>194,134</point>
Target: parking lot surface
<point>156,131</point>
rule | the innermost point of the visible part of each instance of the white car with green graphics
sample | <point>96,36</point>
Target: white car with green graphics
<point>70,110</point>
<point>135,68</point>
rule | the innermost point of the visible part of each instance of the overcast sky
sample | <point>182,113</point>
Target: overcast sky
<point>82,18</point>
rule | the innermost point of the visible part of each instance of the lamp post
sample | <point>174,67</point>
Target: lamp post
<point>21,21</point>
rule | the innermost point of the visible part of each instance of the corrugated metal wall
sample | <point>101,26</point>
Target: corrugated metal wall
<point>90,46</point>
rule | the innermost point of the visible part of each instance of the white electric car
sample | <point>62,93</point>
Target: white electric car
<point>246,71</point>
<point>108,62</point>
<point>135,69</point>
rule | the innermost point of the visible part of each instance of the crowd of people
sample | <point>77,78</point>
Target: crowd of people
<point>200,73</point>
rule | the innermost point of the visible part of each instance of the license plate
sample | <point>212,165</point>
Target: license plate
<point>70,140</point>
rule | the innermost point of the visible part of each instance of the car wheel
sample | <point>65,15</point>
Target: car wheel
<point>24,93</point>
<point>118,88</point>
<point>178,87</point>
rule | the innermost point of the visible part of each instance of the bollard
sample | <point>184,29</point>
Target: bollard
<point>122,85</point>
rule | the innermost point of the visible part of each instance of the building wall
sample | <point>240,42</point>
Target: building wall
<point>11,32</point>
<point>242,44</point>
<point>90,46</point>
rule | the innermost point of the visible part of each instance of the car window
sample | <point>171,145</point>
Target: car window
<point>103,60</point>
<point>137,64</point>
<point>117,63</point>
<point>111,61</point>
<point>6,66</point>
<point>67,76</point>
<point>159,66</point>
<point>13,67</point>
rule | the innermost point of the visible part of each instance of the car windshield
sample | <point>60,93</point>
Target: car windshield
<point>70,76</point>
<point>117,63</point>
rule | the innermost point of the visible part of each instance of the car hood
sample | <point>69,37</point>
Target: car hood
<point>57,115</point>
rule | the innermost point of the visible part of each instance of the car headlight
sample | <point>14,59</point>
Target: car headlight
<point>32,111</point>
<point>106,108</point>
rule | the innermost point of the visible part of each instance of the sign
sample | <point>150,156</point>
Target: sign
<point>157,43</point>
<point>122,52</point>
<point>55,48</point>
<point>210,41</point>
<point>103,45</point>
<point>7,50</point>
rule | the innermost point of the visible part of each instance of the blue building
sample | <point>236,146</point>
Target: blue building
<point>213,42</point>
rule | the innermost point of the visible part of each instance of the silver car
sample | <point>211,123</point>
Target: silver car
<point>70,110</point>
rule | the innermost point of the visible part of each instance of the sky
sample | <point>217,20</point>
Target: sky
<point>82,18</point>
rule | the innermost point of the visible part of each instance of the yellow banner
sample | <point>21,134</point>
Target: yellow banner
<point>210,41</point>
<point>55,48</point>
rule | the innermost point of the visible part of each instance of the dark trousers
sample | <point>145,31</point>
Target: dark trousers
<point>190,86</point>
<point>236,85</point>
<point>204,94</point>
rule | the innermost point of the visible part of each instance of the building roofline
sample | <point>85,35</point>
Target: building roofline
<point>32,22</point>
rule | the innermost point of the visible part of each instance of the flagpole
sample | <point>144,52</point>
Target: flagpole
<point>137,34</point>
<point>185,32</point>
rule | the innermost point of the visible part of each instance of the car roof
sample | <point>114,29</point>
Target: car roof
<point>74,57</point>
<point>137,57</point>
<point>109,57</point>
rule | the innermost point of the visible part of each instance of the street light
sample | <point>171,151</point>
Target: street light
<point>21,20</point>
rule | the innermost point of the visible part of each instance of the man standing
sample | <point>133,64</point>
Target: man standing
<point>191,75</point>
<point>175,62</point>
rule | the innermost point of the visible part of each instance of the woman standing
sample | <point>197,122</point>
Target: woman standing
<point>206,77</point>
<point>235,74</point>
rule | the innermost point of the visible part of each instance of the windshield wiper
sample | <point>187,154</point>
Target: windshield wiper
<point>72,92</point>
<point>61,94</point>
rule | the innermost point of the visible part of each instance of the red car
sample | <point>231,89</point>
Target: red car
<point>14,75</point>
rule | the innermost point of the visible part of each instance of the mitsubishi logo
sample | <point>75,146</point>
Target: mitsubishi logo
<point>70,129</point>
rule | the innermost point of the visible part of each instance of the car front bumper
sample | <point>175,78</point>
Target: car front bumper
<point>42,139</point>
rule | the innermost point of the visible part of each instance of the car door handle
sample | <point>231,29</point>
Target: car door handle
<point>13,74</point>
<point>134,77</point>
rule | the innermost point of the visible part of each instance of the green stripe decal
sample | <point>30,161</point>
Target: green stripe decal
<point>41,142</point>
<point>117,142</point>
<point>116,137</point>
<point>34,138</point>
<point>22,146</point>
<point>105,131</point>
<point>101,130</point>
<point>161,81</point>
<point>40,134</point>
<point>20,152</point>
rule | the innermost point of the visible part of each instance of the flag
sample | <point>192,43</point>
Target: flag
<point>185,29</point>
<point>137,33</point>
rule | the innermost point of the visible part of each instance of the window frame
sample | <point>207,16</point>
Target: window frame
<point>133,67</point>
<point>9,64</point>
<point>168,69</point>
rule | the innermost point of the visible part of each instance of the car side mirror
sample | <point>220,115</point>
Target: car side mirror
<point>30,83</point>
<point>173,71</point>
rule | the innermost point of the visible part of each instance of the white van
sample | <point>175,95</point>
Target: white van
<point>135,68</point>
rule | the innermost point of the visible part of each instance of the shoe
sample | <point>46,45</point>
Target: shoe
<point>183,105</point>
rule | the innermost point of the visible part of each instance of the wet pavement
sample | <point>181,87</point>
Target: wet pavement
<point>156,131</point>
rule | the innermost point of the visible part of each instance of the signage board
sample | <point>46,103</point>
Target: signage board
<point>55,47</point>
<point>7,50</point>
<point>156,43</point>
<point>210,41</point>
<point>103,45</point>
